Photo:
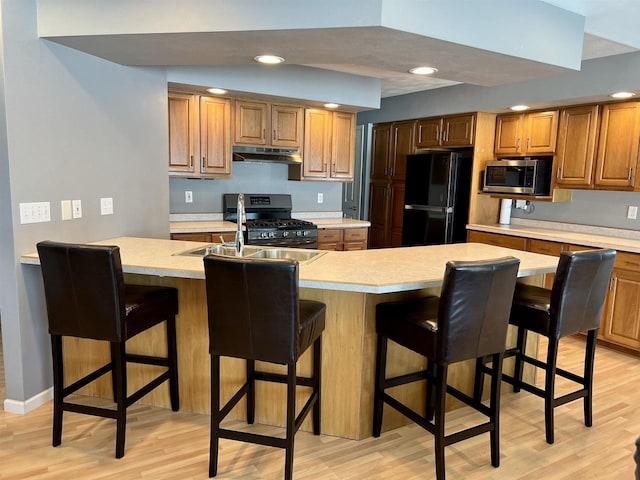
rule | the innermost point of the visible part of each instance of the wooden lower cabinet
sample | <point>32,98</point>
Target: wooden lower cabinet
<point>546,248</point>
<point>342,239</point>
<point>622,312</point>
<point>208,237</point>
<point>507,241</point>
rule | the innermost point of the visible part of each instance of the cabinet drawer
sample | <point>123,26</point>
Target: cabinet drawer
<point>507,241</point>
<point>627,261</point>
<point>355,234</point>
<point>329,235</point>
<point>191,237</point>
<point>544,247</point>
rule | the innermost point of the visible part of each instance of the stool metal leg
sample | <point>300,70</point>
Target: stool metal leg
<point>381,362</point>
<point>317,382</point>
<point>589,358</point>
<point>440,394</point>
<point>549,388</point>
<point>172,355</point>
<point>494,407</point>
<point>215,415</point>
<point>518,368</point>
<point>251,391</point>
<point>118,355</point>
<point>291,420</point>
<point>58,386</point>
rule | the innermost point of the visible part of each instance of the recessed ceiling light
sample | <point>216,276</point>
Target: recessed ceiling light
<point>217,91</point>
<point>331,105</point>
<point>622,95</point>
<point>423,70</point>
<point>519,108</point>
<point>268,59</point>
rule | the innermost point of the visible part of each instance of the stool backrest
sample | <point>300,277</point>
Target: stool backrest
<point>579,290</point>
<point>475,303</point>
<point>252,308</point>
<point>84,290</point>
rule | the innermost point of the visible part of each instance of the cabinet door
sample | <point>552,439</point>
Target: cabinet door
<point>458,130</point>
<point>380,146</point>
<point>508,133</point>
<point>379,214</point>
<point>215,136</point>
<point>542,132</point>
<point>183,132</point>
<point>576,146</point>
<point>317,143</point>
<point>343,149</point>
<point>396,202</point>
<point>401,146</point>
<point>250,122</point>
<point>618,146</point>
<point>286,126</point>
<point>622,317</point>
<point>428,132</point>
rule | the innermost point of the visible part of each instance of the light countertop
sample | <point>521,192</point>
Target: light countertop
<point>203,226</point>
<point>372,271</point>
<point>601,237</point>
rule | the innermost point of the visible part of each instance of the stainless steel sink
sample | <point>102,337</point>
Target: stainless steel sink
<point>289,254</point>
<point>298,254</point>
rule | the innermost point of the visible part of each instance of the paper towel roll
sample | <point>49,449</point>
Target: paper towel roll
<point>505,211</point>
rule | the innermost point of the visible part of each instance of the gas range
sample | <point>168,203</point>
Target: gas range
<point>268,221</point>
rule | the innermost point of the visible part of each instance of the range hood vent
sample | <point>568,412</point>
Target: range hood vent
<point>267,155</point>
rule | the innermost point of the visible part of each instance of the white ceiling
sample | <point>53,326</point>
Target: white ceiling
<point>387,52</point>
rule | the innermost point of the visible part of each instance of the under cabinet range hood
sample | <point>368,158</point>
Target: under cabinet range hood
<point>267,155</point>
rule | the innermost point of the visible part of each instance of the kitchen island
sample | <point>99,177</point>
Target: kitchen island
<point>350,283</point>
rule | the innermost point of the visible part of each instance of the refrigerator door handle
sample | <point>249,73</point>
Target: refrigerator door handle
<point>427,208</point>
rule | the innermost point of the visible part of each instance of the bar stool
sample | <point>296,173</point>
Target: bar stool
<point>86,297</point>
<point>255,313</point>
<point>468,320</point>
<point>574,304</point>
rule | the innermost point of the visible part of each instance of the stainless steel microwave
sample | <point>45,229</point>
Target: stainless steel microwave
<point>525,176</point>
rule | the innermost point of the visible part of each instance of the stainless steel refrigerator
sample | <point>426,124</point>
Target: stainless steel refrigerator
<point>436,199</point>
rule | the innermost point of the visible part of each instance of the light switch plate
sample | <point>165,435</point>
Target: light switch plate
<point>320,198</point>
<point>188,196</point>
<point>35,212</point>
<point>76,206</point>
<point>106,206</point>
<point>65,206</point>
<point>632,212</point>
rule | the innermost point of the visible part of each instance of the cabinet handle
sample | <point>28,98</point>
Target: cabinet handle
<point>324,167</point>
<point>527,144</point>
<point>190,161</point>
<point>333,166</point>
<point>386,170</point>
<point>630,173</point>
<point>264,133</point>
<point>274,135</point>
<point>558,173</point>
<point>446,135</point>
<point>517,144</point>
<point>437,134</point>
<point>635,264</point>
<point>204,161</point>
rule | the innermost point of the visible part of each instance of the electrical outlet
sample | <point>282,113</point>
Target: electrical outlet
<point>65,206</point>
<point>188,196</point>
<point>320,198</point>
<point>632,212</point>
<point>35,212</point>
<point>76,207</point>
<point>106,206</point>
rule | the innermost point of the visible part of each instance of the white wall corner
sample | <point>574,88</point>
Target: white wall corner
<point>23,407</point>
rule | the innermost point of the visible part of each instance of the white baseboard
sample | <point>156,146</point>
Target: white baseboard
<point>22,407</point>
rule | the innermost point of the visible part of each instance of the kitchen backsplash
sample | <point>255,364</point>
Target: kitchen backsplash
<point>253,178</point>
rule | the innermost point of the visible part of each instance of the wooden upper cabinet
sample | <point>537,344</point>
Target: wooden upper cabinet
<point>380,148</point>
<point>261,123</point>
<point>343,148</point>
<point>402,144</point>
<point>183,132</point>
<point>526,134</point>
<point>577,136</point>
<point>286,126</point>
<point>251,122</point>
<point>215,136</point>
<point>617,158</point>
<point>448,131</point>
<point>329,145</point>
<point>199,136</point>
<point>317,143</point>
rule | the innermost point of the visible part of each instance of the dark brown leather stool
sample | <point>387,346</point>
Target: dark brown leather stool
<point>86,297</point>
<point>468,320</point>
<point>574,304</point>
<point>255,313</point>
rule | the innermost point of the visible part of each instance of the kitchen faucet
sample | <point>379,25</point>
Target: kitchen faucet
<point>240,220</point>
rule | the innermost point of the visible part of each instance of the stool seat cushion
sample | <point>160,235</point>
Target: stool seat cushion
<point>410,323</point>
<point>531,307</point>
<point>146,306</point>
<point>312,320</point>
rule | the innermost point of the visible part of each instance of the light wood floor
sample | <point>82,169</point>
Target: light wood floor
<point>166,445</point>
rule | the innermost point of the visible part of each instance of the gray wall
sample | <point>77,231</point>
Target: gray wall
<point>594,82</point>
<point>77,127</point>
<point>254,178</point>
